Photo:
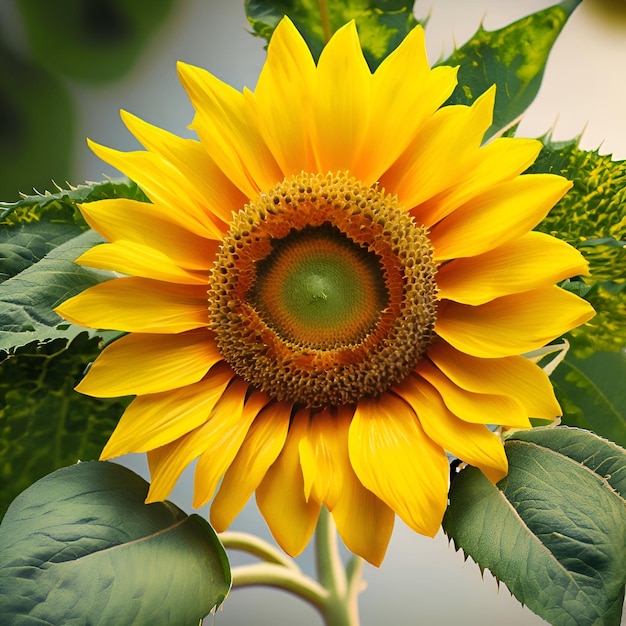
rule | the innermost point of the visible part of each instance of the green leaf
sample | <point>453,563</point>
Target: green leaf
<point>80,546</point>
<point>601,457</point>
<point>40,237</point>
<point>592,393</point>
<point>28,244</point>
<point>553,529</point>
<point>382,24</point>
<point>36,130</point>
<point>91,41</point>
<point>44,423</point>
<point>591,218</point>
<point>61,206</point>
<point>27,299</point>
<point>513,58</point>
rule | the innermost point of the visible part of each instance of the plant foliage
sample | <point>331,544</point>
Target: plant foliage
<point>80,546</point>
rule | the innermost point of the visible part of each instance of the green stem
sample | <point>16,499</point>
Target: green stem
<point>334,596</point>
<point>325,22</point>
<point>272,575</point>
<point>341,607</point>
<point>255,546</point>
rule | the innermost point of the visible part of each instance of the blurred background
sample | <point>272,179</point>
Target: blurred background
<point>67,67</point>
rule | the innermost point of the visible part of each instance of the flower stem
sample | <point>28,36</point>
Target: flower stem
<point>341,607</point>
<point>255,546</point>
<point>325,22</point>
<point>334,596</point>
<point>273,575</point>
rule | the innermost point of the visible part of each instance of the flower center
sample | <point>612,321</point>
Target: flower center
<point>323,291</point>
<point>319,289</point>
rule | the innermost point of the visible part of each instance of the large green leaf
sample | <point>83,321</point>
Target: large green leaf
<point>382,24</point>
<point>90,40</point>
<point>592,393</point>
<point>81,547</point>
<point>44,423</point>
<point>28,244</point>
<point>592,217</point>
<point>28,298</point>
<point>513,58</point>
<point>553,530</point>
<point>40,237</point>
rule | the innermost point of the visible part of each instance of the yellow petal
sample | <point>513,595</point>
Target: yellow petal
<point>151,225</point>
<point>440,153</point>
<point>341,103</point>
<point>172,458</point>
<point>138,305</point>
<point>153,420</point>
<point>139,364</point>
<point>469,406</point>
<point>473,443</point>
<point>322,447</point>
<point>534,260</point>
<point>498,161</point>
<point>397,461</point>
<point>222,437</point>
<point>226,124</point>
<point>164,185</point>
<point>280,496</point>
<point>286,79</point>
<point>395,119</point>
<point>212,189</point>
<point>137,259</point>
<point>501,214</point>
<point>512,324</point>
<point>259,450</point>
<point>514,376</point>
<point>364,522</point>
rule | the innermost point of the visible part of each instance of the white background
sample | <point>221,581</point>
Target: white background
<point>421,581</point>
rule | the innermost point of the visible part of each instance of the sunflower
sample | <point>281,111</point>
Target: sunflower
<point>328,292</point>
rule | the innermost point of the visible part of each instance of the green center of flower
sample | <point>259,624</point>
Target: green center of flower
<point>320,289</point>
<point>323,292</point>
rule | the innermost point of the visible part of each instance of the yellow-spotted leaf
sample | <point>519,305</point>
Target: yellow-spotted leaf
<point>592,218</point>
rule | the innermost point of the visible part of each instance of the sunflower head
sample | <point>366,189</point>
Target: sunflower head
<point>329,291</point>
<point>323,292</point>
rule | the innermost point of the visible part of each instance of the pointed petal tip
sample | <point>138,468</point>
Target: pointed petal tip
<point>494,474</point>
<point>219,522</point>
<point>84,388</point>
<point>104,456</point>
<point>285,24</point>
<point>130,120</point>
<point>184,72</point>
<point>181,66</point>
<point>109,452</point>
